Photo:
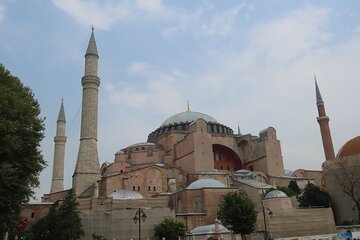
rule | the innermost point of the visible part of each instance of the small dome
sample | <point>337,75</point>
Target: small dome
<point>275,194</point>
<point>350,148</point>
<point>209,229</point>
<point>187,117</point>
<point>142,144</point>
<point>243,172</point>
<point>202,183</point>
<point>125,194</point>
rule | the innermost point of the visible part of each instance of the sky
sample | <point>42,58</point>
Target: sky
<point>246,62</point>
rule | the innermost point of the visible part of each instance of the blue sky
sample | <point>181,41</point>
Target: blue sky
<point>250,62</point>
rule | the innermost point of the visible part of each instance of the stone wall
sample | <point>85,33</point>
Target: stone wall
<point>114,218</point>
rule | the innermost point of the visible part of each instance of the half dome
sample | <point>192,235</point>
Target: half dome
<point>125,194</point>
<point>275,194</point>
<point>187,117</point>
<point>203,183</point>
<point>350,148</point>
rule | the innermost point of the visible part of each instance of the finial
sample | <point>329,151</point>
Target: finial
<point>92,49</point>
<point>318,94</point>
<point>188,107</point>
<point>238,125</point>
<point>61,116</point>
<point>274,185</point>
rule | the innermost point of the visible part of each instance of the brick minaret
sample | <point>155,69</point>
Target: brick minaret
<point>323,121</point>
<point>57,183</point>
<point>87,170</point>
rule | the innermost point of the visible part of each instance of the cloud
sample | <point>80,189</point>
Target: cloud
<point>286,38</point>
<point>101,14</point>
<point>150,5</point>
<point>149,87</point>
<point>222,23</point>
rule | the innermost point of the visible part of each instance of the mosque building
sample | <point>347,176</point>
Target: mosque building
<point>184,170</point>
<point>341,172</point>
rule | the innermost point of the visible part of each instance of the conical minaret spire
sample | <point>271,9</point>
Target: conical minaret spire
<point>323,121</point>
<point>87,170</point>
<point>57,183</point>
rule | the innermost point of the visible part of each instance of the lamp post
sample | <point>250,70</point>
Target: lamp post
<point>266,211</point>
<point>139,216</point>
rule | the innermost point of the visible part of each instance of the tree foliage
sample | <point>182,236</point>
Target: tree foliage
<point>293,186</point>
<point>21,130</point>
<point>313,196</point>
<point>170,229</point>
<point>62,223</point>
<point>237,212</point>
<point>95,236</point>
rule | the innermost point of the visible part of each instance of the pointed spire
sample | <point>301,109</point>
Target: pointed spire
<point>239,132</point>
<point>318,94</point>
<point>188,107</point>
<point>92,49</point>
<point>61,116</point>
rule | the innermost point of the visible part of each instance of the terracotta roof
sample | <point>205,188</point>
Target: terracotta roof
<point>350,148</point>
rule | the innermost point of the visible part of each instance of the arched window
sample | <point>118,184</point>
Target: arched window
<point>197,204</point>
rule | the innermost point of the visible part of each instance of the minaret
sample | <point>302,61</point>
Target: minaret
<point>87,170</point>
<point>57,183</point>
<point>323,121</point>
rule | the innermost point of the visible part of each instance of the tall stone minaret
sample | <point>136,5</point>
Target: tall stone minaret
<point>57,182</point>
<point>323,121</point>
<point>87,170</point>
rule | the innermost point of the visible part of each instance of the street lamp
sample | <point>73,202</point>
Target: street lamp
<point>266,211</point>
<point>139,216</point>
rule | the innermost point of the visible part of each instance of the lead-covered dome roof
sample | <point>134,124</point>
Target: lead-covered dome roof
<point>125,194</point>
<point>350,148</point>
<point>275,194</point>
<point>209,229</point>
<point>189,117</point>
<point>181,121</point>
<point>208,182</point>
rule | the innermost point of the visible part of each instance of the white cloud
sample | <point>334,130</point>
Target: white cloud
<point>150,5</point>
<point>101,14</point>
<point>151,88</point>
<point>288,37</point>
<point>222,23</point>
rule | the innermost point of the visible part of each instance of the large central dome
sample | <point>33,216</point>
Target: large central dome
<point>187,117</point>
<point>181,121</point>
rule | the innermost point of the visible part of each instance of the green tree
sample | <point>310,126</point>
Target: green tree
<point>21,130</point>
<point>170,229</point>
<point>95,236</point>
<point>288,191</point>
<point>237,212</point>
<point>62,223</point>
<point>313,196</point>
<point>293,186</point>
